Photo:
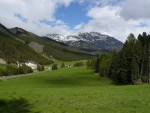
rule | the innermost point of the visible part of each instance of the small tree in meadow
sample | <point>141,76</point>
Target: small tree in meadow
<point>62,65</point>
<point>54,67</point>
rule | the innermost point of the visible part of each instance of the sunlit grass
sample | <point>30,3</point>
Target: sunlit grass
<point>76,90</point>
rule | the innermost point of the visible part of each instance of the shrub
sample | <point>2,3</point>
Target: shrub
<point>77,64</point>
<point>24,69</point>
<point>40,67</point>
<point>138,82</point>
<point>54,67</point>
<point>2,72</point>
<point>14,70</point>
<point>11,70</point>
<point>145,79</point>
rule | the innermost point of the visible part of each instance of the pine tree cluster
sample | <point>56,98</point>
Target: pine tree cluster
<point>131,65</point>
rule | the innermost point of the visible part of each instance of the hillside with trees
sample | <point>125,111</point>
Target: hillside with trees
<point>12,51</point>
<point>50,48</point>
<point>19,45</point>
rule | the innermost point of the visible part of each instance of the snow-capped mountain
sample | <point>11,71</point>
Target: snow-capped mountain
<point>56,37</point>
<point>91,41</point>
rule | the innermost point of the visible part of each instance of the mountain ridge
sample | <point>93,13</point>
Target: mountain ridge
<point>19,45</point>
<point>89,41</point>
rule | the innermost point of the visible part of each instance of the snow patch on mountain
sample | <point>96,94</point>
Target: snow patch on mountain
<point>56,37</point>
<point>88,40</point>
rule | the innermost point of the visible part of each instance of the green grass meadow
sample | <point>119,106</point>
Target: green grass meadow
<point>71,90</point>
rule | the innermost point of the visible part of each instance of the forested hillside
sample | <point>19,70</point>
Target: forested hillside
<point>129,66</point>
<point>50,48</point>
<point>19,45</point>
<point>12,51</point>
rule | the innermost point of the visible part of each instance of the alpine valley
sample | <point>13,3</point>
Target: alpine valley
<point>17,44</point>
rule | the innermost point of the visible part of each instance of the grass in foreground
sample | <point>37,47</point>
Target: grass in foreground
<point>73,90</point>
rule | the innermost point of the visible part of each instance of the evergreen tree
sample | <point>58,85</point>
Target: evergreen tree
<point>114,72</point>
<point>93,61</point>
<point>144,65</point>
<point>105,63</point>
<point>137,59</point>
<point>97,65</point>
<point>135,70</point>
<point>62,65</point>
<point>126,59</point>
<point>125,73</point>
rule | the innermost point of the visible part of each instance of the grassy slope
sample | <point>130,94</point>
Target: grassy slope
<point>76,90</point>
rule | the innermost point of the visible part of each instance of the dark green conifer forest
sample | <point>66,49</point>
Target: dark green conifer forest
<point>128,66</point>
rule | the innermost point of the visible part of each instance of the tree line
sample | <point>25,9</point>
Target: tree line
<point>12,69</point>
<point>131,65</point>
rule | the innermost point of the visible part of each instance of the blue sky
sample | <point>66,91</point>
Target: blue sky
<point>74,14</point>
<point>117,18</point>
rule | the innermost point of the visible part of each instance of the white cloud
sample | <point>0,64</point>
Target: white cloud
<point>116,20</point>
<point>34,12</point>
<point>135,9</point>
<point>106,12</point>
<point>108,20</point>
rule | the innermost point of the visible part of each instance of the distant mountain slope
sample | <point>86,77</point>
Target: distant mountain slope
<point>92,41</point>
<point>50,48</point>
<point>13,49</point>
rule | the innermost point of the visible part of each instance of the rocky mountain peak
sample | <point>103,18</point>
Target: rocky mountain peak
<point>89,40</point>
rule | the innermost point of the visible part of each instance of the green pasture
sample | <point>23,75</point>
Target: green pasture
<point>71,90</point>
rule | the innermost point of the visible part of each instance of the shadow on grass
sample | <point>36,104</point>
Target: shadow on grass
<point>20,105</point>
<point>78,78</point>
